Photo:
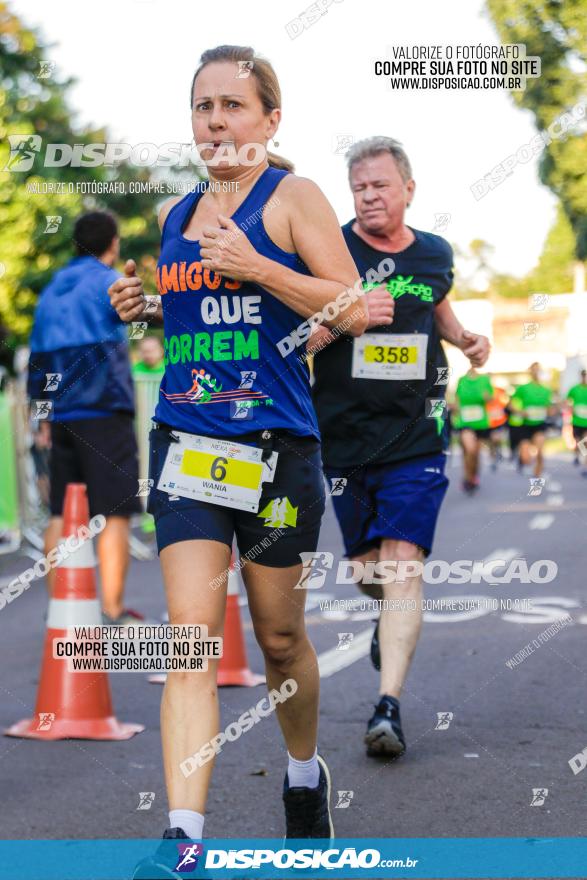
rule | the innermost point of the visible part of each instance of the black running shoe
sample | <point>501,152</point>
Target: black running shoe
<point>375,649</point>
<point>384,731</point>
<point>161,866</point>
<point>307,810</point>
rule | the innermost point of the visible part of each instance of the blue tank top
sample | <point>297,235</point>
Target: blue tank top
<point>224,375</point>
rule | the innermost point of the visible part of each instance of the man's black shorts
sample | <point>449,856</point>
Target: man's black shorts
<point>290,510</point>
<point>481,433</point>
<point>102,453</point>
<point>579,432</point>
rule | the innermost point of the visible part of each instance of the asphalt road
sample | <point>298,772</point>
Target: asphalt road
<point>513,729</point>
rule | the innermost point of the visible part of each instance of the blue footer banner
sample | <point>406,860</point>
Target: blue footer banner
<point>504,857</point>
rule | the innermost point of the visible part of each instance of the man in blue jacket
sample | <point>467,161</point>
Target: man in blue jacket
<point>79,362</point>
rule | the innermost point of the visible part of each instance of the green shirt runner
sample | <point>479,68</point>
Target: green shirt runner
<point>472,394</point>
<point>534,400</point>
<point>578,397</point>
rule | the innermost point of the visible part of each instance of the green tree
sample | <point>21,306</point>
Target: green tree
<point>554,271</point>
<point>33,103</point>
<point>555,30</point>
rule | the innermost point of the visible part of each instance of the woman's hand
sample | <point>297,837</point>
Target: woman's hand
<point>226,249</point>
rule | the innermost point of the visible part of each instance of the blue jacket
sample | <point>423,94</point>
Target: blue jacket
<point>77,333</point>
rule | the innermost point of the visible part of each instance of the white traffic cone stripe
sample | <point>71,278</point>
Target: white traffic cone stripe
<point>82,557</point>
<point>64,613</point>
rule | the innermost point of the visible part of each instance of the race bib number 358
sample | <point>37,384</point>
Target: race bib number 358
<point>390,356</point>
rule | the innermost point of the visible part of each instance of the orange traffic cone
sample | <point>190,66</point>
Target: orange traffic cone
<point>69,704</point>
<point>233,668</point>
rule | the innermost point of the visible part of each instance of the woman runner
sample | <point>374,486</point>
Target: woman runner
<point>243,262</point>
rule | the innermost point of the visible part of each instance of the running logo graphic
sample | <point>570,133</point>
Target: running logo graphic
<point>188,857</point>
<point>529,331</point>
<point>441,221</point>
<point>137,329</point>
<point>53,222</point>
<point>46,68</point>
<point>342,143</point>
<point>436,409</point>
<point>23,149</point>
<point>539,795</point>
<point>46,719</point>
<point>539,302</point>
<point>279,513</point>
<point>443,375</point>
<point>344,800</point>
<point>206,389</point>
<point>145,486</point>
<point>338,485</point>
<point>314,569</point>
<point>247,378</point>
<point>42,408</point>
<point>536,485</point>
<point>244,69</point>
<point>344,641</point>
<point>444,719</point>
<point>52,381</point>
<point>146,799</point>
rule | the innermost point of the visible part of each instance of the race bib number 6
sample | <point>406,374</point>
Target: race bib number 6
<point>216,471</point>
<point>390,356</point>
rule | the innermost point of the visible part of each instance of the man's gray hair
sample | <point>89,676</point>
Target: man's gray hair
<point>374,146</point>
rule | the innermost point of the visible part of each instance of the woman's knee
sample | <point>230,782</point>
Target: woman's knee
<point>282,648</point>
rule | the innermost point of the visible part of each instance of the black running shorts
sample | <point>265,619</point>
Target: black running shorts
<point>289,515</point>
<point>102,453</point>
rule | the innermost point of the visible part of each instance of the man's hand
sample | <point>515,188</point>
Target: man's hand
<point>475,347</point>
<point>127,295</point>
<point>381,306</point>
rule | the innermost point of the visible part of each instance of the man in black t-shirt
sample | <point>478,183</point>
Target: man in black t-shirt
<point>380,405</point>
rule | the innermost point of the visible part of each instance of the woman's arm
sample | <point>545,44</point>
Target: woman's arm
<point>320,244</point>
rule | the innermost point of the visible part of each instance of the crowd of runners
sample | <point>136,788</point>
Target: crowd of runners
<point>247,439</point>
<point>515,422</point>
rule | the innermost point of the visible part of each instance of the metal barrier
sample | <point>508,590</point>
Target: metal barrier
<point>25,515</point>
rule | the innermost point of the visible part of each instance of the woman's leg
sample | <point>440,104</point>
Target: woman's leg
<point>189,707</point>
<point>277,610</point>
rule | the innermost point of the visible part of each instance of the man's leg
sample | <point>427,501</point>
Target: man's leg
<point>52,536</point>
<point>113,558</point>
<point>400,623</point>
<point>538,442</point>
<point>470,444</point>
<point>525,452</point>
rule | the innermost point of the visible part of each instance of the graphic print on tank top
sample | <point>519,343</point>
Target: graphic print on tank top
<point>222,365</point>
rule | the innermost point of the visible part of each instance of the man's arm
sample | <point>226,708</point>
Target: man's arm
<point>473,345</point>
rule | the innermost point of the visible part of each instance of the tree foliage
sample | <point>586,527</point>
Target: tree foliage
<point>32,103</point>
<point>556,31</point>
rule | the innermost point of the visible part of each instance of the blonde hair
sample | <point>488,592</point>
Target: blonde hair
<point>265,79</point>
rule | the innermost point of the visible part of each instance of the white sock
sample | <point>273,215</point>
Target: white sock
<point>191,822</point>
<point>303,773</point>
